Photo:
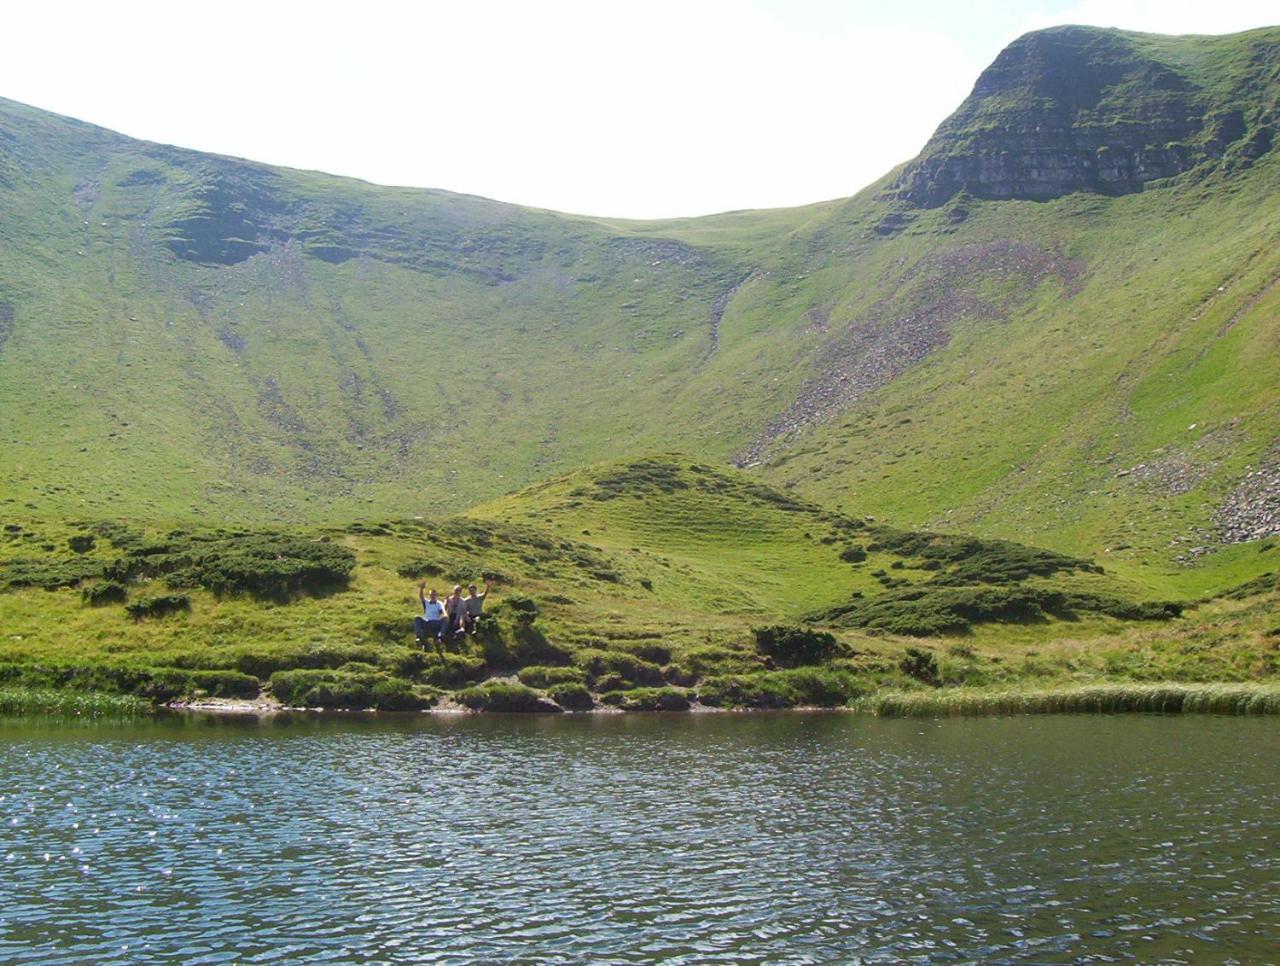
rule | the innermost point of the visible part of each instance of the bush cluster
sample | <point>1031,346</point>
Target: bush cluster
<point>48,574</point>
<point>158,606</point>
<point>267,565</point>
<point>82,542</point>
<point>853,554</point>
<point>968,560</point>
<point>1268,583</point>
<point>790,646</point>
<point>106,592</point>
<point>933,609</point>
<point>922,665</point>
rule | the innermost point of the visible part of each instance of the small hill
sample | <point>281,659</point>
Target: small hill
<point>718,540</point>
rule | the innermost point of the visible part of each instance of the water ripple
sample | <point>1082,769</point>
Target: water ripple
<point>785,838</point>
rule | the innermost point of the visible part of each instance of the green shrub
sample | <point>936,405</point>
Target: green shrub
<point>542,676</point>
<point>637,479</point>
<point>269,565</point>
<point>922,665</point>
<point>48,574</point>
<point>158,606</point>
<point>853,554</point>
<point>929,610</point>
<point>82,542</point>
<point>571,695</point>
<point>630,669</point>
<point>497,696</point>
<point>969,560</point>
<point>794,646</point>
<point>117,534</point>
<point>106,592</point>
<point>264,664</point>
<point>655,699</point>
<point>292,687</point>
<point>226,683</point>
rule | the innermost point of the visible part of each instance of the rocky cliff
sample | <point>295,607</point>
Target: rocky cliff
<point>1086,109</point>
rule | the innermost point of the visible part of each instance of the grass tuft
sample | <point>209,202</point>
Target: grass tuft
<point>1094,699</point>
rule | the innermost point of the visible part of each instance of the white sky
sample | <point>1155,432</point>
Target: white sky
<point>643,109</point>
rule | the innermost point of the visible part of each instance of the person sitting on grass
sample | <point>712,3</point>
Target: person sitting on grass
<point>454,608</point>
<point>474,608</point>
<point>429,625</point>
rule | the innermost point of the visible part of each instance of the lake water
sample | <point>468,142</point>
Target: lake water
<point>787,838</point>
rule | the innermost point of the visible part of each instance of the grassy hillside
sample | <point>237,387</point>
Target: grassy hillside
<point>600,580</point>
<point>201,337</point>
<point>198,337</point>
<point>1048,343</point>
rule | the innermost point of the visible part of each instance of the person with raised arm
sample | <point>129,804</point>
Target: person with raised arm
<point>429,625</point>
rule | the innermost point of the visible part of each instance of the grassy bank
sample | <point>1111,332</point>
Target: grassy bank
<point>19,701</point>
<point>1161,698</point>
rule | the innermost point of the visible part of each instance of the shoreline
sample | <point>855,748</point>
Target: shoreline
<point>1101,698</point>
<point>1105,698</point>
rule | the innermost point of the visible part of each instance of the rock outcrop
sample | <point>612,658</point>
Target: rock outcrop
<point>1085,109</point>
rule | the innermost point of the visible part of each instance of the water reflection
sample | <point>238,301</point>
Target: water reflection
<point>631,838</point>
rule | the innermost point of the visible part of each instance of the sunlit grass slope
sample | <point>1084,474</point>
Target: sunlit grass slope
<point>603,589</point>
<point>188,339</point>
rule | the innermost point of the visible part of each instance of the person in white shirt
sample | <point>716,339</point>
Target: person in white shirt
<point>429,625</point>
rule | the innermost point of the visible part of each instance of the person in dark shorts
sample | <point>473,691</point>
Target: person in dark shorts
<point>429,625</point>
<point>473,608</point>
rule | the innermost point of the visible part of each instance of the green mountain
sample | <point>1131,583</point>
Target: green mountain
<point>1057,327</point>
<point>188,335</point>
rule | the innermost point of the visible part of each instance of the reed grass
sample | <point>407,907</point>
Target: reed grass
<point>1096,699</point>
<point>47,702</point>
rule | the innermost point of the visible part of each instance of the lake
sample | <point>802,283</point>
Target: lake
<point>778,837</point>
